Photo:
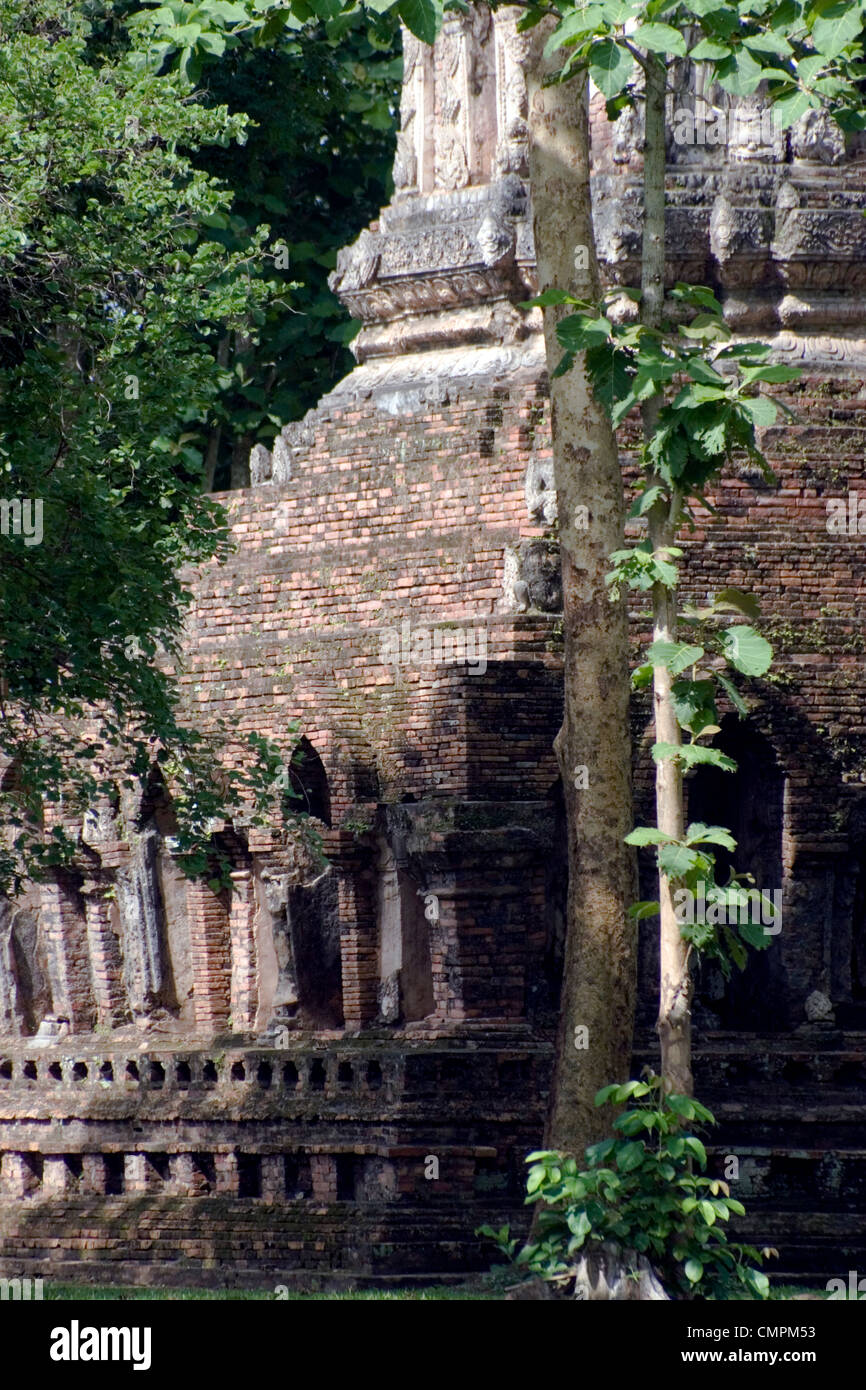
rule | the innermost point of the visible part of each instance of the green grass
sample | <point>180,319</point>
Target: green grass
<point>100,1293</point>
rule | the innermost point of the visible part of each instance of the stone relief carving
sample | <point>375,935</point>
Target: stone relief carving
<point>281,461</point>
<point>532,578</point>
<point>495,239</point>
<point>406,159</point>
<point>817,136</point>
<point>512,144</point>
<point>627,135</point>
<point>451,158</point>
<point>139,901</point>
<point>540,490</point>
<point>286,995</point>
<point>101,825</point>
<point>260,465</point>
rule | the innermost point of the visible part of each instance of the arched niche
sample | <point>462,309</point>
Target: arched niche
<point>309,784</point>
<point>749,803</point>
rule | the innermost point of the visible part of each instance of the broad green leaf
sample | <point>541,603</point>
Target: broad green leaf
<point>735,598</point>
<point>709,49</point>
<point>694,1145</point>
<point>755,934</point>
<point>660,38</point>
<point>747,650</point>
<point>770,373</point>
<point>789,108</point>
<point>610,67</point>
<point>604,1095</point>
<point>577,332</point>
<point>618,11</point>
<point>630,1156</point>
<point>646,835</point>
<point>701,834</point>
<point>700,370</point>
<point>675,656</point>
<point>701,296</point>
<point>694,1271</point>
<point>809,68</point>
<point>740,74</point>
<point>839,25</point>
<point>693,754</point>
<point>758,1282</point>
<point>774,44</point>
<point>733,695</point>
<point>609,372</point>
<point>547,297</point>
<point>761,410</point>
<point>693,396</point>
<point>423,18</point>
<point>676,860</point>
<point>576,24</point>
<point>580,1226</point>
<point>645,500</point>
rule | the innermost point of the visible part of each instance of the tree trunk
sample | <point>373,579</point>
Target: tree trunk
<point>674,1020</point>
<point>599,981</point>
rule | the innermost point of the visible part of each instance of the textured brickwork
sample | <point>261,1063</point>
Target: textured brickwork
<point>211,948</point>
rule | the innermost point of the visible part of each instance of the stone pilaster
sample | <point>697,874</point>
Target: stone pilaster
<point>244,953</point>
<point>106,966</point>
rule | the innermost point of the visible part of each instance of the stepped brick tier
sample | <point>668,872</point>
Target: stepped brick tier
<point>335,1068</point>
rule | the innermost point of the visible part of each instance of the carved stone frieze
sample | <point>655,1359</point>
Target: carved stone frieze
<point>773,219</point>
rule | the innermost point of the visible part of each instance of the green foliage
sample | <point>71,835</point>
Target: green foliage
<point>645,1191</point>
<point>322,100</point>
<point>809,53</point>
<point>113,301</point>
<point>710,407</point>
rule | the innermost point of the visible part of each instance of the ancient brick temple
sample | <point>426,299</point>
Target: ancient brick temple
<point>337,1067</point>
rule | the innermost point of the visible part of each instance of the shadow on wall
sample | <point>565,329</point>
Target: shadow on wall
<point>749,802</point>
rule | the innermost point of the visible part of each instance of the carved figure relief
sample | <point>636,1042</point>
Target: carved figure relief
<point>411,132</point>
<point>450,134</point>
<point>512,144</point>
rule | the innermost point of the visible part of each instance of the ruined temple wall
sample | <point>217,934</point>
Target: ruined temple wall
<point>390,518</point>
<point>489,734</point>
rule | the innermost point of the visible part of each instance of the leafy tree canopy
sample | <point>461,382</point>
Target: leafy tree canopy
<point>111,297</point>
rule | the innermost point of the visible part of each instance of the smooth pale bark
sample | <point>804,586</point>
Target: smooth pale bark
<point>674,1019</point>
<point>599,982</point>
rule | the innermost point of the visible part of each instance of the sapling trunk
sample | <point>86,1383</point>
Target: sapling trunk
<point>674,1017</point>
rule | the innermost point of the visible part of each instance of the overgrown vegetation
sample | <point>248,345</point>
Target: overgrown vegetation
<point>641,1192</point>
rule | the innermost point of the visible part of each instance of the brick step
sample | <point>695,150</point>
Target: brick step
<point>213,1242</point>
<point>813,1246</point>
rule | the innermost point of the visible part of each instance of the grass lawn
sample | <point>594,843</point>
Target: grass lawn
<point>485,1289</point>
<point>99,1292</point>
